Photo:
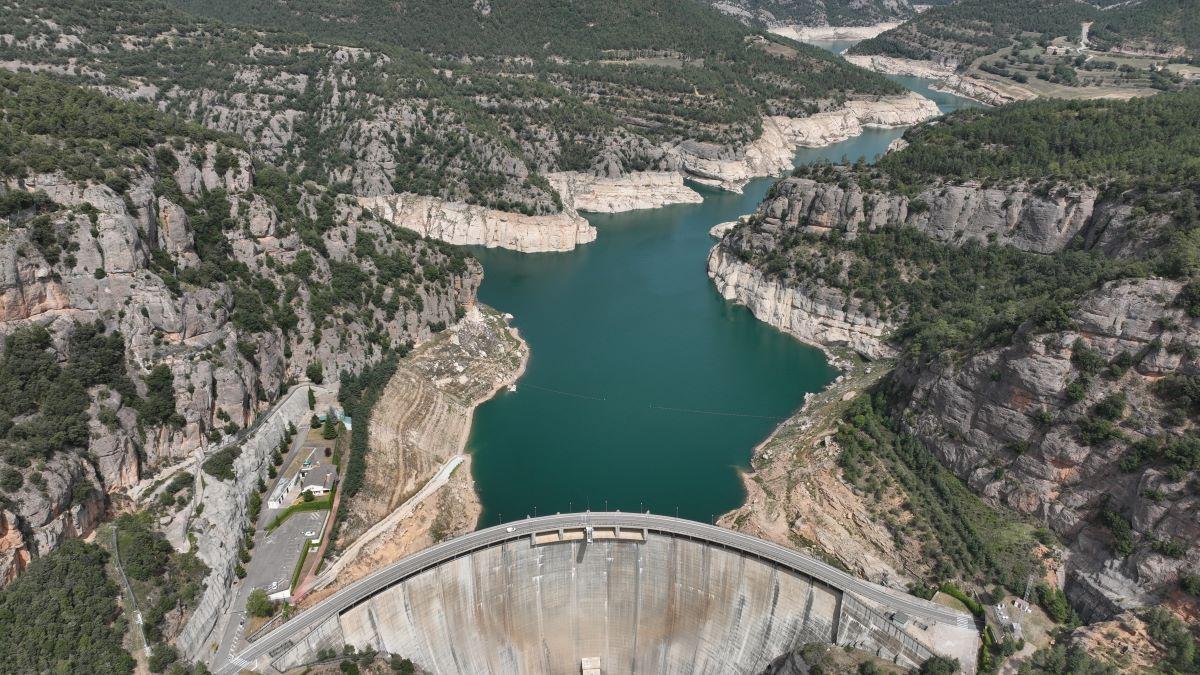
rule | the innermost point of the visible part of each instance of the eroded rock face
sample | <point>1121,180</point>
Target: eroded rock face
<point>946,73</point>
<point>1002,421</point>
<point>423,417</point>
<point>1039,221</point>
<point>1007,420</point>
<point>772,153</point>
<point>635,190</point>
<point>817,315</point>
<point>467,224</point>
<point>223,371</point>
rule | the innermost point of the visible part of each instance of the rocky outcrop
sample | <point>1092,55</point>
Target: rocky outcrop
<point>1004,422</point>
<point>219,514</point>
<point>792,18</point>
<point>774,150</point>
<point>808,33</point>
<point>818,315</point>
<point>123,252</point>
<point>1038,219</point>
<point>948,77</point>
<point>636,190</point>
<point>468,224</point>
<point>795,495</point>
<point>1018,423</point>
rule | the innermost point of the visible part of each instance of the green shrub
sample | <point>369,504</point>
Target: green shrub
<point>219,465</point>
<point>315,372</point>
<point>1054,603</point>
<point>258,604</point>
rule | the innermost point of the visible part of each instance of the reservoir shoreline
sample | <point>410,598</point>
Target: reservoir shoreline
<point>645,390</point>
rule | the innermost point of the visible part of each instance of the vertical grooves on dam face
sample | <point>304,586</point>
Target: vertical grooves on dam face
<point>637,605</point>
<point>667,605</point>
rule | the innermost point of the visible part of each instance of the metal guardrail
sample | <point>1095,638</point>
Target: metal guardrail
<point>466,544</point>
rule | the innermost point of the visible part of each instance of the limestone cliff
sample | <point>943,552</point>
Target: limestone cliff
<point>1008,421</point>
<point>1036,218</point>
<point>214,518</point>
<point>948,78</point>
<point>773,151</point>
<point>831,32</point>
<point>636,190</point>
<point>818,315</point>
<point>206,305</point>
<point>468,224</point>
<point>1079,427</point>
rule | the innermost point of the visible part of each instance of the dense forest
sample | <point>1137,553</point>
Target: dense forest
<point>62,616</point>
<point>477,112</point>
<point>1152,143</point>
<point>966,30</point>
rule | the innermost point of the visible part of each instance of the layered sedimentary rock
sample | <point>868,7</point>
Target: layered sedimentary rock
<point>817,315</point>
<point>773,151</point>
<point>1002,420</point>
<point>636,190</point>
<point>806,33</point>
<point>223,371</point>
<point>469,224</point>
<point>1039,219</point>
<point>1017,422</point>
<point>947,75</point>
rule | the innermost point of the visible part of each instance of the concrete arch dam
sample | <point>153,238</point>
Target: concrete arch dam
<point>620,593</point>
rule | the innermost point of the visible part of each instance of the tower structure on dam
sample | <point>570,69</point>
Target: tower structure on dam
<point>611,593</point>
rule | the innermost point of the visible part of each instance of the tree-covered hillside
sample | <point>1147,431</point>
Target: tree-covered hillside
<point>163,289</point>
<point>62,616</point>
<point>1035,270</point>
<point>1152,25</point>
<point>1151,143</point>
<point>815,12</point>
<point>966,30</point>
<point>380,98</point>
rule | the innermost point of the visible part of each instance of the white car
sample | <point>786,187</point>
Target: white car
<point>310,534</point>
<point>510,528</point>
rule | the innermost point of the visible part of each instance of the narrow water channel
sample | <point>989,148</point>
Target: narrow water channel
<point>645,389</point>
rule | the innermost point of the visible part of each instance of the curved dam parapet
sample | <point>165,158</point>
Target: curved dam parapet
<point>622,593</point>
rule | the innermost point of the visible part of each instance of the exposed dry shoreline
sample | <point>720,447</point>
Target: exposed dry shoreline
<point>419,488</point>
<point>421,446</point>
<point>806,33</point>
<point>716,165</point>
<point>947,78</point>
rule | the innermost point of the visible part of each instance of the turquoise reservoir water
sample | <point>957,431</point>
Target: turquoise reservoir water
<point>645,389</point>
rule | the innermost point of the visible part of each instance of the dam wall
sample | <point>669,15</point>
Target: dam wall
<point>639,602</point>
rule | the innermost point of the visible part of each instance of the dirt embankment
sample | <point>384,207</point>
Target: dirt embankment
<point>418,433</point>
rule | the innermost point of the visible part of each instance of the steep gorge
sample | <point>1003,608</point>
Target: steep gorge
<point>207,272</point>
<point>1069,411</point>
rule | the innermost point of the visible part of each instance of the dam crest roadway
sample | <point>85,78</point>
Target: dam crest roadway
<point>641,593</point>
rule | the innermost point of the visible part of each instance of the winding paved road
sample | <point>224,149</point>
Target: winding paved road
<point>922,610</point>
